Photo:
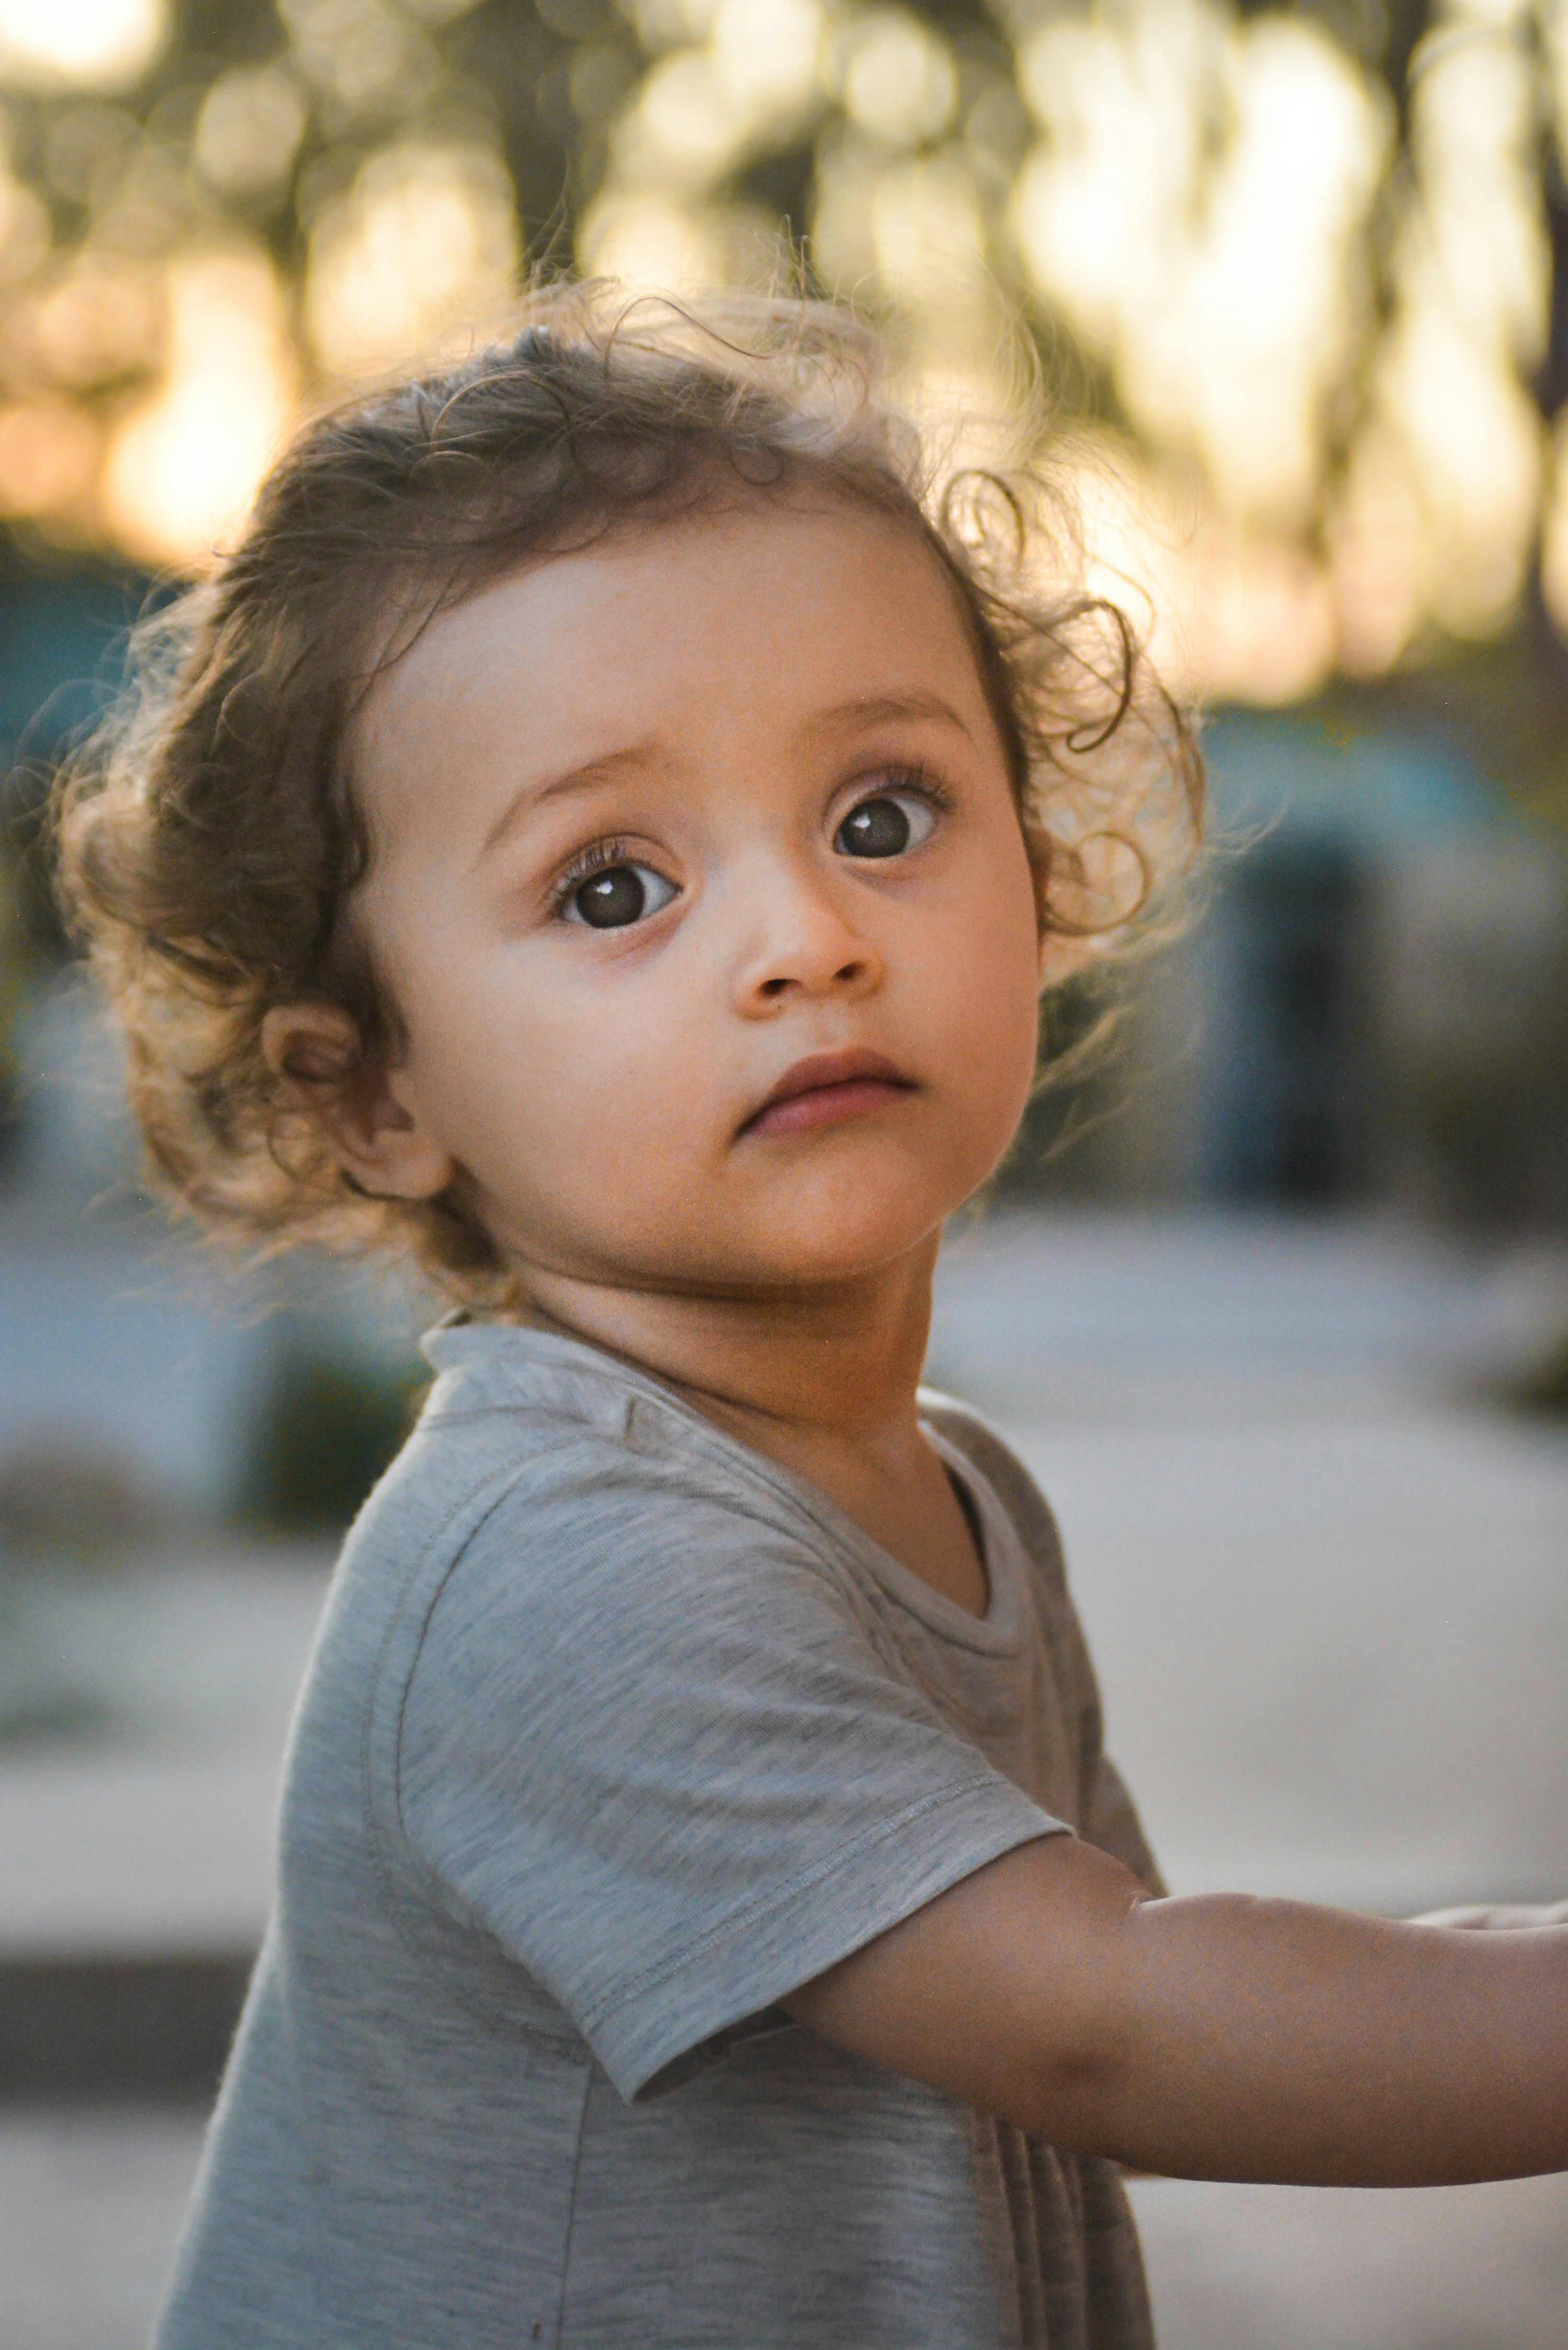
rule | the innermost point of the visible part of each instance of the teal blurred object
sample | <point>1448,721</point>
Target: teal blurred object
<point>1384,790</point>
<point>63,641</point>
<point>1382,978</point>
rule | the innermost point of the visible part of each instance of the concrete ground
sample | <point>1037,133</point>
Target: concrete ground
<point>1283,2268</point>
<point>1326,1582</point>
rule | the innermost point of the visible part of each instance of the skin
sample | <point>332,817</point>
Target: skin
<point>706,703</point>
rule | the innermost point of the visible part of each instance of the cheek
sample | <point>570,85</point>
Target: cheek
<point>997,1044</point>
<point>989,982</point>
<point>527,1072</point>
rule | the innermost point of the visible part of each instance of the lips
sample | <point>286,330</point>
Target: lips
<point>826,1088</point>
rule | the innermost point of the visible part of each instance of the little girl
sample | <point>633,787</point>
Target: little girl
<point>603,833</point>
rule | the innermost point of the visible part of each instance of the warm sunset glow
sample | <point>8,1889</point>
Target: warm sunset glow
<point>766,52</point>
<point>1217,285</point>
<point>1475,446</point>
<point>1377,545</point>
<point>1095,203</point>
<point>1554,535</point>
<point>249,130</point>
<point>183,467</point>
<point>1127,532</point>
<point>48,462</point>
<point>651,246</point>
<point>424,247</point>
<point>684,128</point>
<point>1222,611</point>
<point>1329,449</point>
<point>100,320</point>
<point>967,410</point>
<point>842,240</point>
<point>1261,622</point>
<point>1237,356</point>
<point>92,44</point>
<point>1472,281</point>
<point>1197,208</point>
<point>24,229</point>
<point>897,78</point>
<point>927,234</point>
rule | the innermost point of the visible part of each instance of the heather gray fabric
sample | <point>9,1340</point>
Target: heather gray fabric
<point>613,1733</point>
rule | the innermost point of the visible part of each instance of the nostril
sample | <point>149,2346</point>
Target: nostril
<point>772,987</point>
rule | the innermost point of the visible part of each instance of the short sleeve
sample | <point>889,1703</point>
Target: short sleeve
<point>650,1746</point>
<point>1107,1816</point>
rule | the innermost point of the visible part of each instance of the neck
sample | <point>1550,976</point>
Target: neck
<point>820,1380</point>
<point>838,1360</point>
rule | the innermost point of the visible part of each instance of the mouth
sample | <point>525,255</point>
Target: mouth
<point>827,1088</point>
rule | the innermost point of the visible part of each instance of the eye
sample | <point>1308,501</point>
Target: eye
<point>885,825</point>
<point>617,896</point>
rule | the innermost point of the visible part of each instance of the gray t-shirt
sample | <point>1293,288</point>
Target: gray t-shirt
<point>614,1733</point>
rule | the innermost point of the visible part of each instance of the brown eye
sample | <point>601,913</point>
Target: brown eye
<point>617,896</point>
<point>885,825</point>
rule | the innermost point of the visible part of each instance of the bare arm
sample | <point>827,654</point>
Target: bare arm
<point>1217,2037</point>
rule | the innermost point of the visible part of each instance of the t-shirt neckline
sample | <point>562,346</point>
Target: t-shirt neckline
<point>497,1346</point>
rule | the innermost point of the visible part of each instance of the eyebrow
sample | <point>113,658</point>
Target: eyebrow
<point>637,758</point>
<point>594,775</point>
<point>874,709</point>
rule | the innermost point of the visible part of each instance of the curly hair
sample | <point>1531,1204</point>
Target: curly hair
<point>210,841</point>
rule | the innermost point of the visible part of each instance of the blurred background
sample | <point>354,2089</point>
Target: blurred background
<point>1275,1299</point>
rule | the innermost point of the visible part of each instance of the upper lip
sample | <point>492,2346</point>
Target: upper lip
<point>820,1069</point>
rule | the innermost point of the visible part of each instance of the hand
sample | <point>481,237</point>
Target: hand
<point>1503,1917</point>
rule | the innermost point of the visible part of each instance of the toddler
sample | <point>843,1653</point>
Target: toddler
<point>603,835</point>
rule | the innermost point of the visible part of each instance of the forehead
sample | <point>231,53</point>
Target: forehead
<point>689,630</point>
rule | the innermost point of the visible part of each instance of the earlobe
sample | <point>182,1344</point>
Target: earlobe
<point>369,1117</point>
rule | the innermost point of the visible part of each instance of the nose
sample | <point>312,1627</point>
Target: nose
<point>802,942</point>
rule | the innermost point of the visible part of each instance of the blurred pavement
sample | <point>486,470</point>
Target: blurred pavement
<point>152,1834</point>
<point>1324,1573</point>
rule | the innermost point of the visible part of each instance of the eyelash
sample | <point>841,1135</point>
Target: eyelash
<point>919,783</point>
<point>602,856</point>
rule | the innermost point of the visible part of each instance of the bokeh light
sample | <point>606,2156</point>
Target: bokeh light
<point>1307,301</point>
<point>897,78</point>
<point>184,465</point>
<point>248,131</point>
<point>423,246</point>
<point>84,44</point>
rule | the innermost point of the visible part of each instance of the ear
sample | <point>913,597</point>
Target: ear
<point>369,1117</point>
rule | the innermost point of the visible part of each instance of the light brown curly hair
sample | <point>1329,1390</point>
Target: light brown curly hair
<point>211,842</point>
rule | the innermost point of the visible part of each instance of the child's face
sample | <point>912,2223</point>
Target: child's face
<point>654,824</point>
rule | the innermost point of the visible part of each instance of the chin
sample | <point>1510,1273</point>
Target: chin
<point>858,1230</point>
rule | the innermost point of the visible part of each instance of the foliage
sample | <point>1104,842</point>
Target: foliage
<point>1296,271</point>
<point>1544,1389</point>
<point>329,1422</point>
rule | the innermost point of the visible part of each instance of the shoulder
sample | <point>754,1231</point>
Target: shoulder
<point>605,1519</point>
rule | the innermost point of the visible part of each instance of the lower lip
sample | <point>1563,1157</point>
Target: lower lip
<point>828,1106</point>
